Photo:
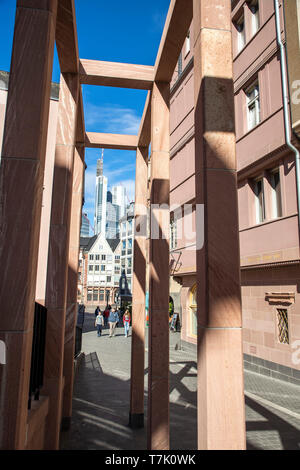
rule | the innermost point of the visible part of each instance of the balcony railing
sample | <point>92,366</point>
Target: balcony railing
<point>38,353</point>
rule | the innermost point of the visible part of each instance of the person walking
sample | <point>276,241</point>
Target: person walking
<point>113,320</point>
<point>106,315</point>
<point>97,311</point>
<point>126,322</point>
<point>99,323</point>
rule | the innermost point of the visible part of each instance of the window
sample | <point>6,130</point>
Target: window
<point>102,268</point>
<point>173,235</point>
<point>91,257</point>
<point>95,296</point>
<point>91,268</point>
<point>97,257</point>
<point>117,259</point>
<point>283,326</point>
<point>109,258</point>
<point>254,8</point>
<point>101,296</point>
<point>108,279</point>
<point>240,26</point>
<point>276,194</point>
<point>97,268</point>
<point>188,43</point>
<point>259,201</point>
<point>129,262</point>
<point>89,295</point>
<point>253,105</point>
<point>103,257</point>
<point>193,311</point>
<point>117,269</point>
<point>179,64</point>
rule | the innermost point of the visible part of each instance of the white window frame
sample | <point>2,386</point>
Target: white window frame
<point>275,208</point>
<point>257,204</point>
<point>241,34</point>
<point>253,101</point>
<point>254,7</point>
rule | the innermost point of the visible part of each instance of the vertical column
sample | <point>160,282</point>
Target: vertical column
<point>71,309</point>
<point>136,417</point>
<point>21,186</point>
<point>221,416</point>
<point>158,388</point>
<point>58,255</point>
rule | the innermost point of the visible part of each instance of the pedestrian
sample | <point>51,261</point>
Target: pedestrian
<point>97,311</point>
<point>106,315</point>
<point>126,322</point>
<point>99,323</point>
<point>113,320</point>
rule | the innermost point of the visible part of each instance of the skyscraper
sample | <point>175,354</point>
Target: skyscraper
<point>119,198</point>
<point>112,218</point>
<point>85,226</point>
<point>100,199</point>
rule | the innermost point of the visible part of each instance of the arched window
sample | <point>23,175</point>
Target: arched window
<point>193,312</point>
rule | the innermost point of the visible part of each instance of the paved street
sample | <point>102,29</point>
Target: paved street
<point>101,401</point>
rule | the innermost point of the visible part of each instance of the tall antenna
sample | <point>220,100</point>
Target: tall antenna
<point>100,165</point>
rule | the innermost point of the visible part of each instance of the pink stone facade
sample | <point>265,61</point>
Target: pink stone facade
<point>269,243</point>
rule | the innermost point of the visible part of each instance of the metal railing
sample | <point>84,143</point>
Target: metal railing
<point>38,353</point>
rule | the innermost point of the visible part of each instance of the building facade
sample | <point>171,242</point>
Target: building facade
<point>126,243</point>
<point>119,198</point>
<point>112,218</point>
<point>267,195</point>
<point>99,271</point>
<point>85,226</point>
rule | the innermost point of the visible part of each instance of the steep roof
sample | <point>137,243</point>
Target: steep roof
<point>113,243</point>
<point>87,242</point>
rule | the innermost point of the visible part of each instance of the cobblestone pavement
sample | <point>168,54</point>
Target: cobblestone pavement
<point>101,400</point>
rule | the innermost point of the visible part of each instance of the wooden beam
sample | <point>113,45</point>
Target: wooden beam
<point>66,37</point>
<point>80,131</point>
<point>177,24</point>
<point>144,136</point>
<point>96,72</point>
<point>111,141</point>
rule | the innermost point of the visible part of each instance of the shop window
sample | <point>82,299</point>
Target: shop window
<point>193,312</point>
<point>95,296</point>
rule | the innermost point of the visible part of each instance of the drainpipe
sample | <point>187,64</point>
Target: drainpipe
<point>287,125</point>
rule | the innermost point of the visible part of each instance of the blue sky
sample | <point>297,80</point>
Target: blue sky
<point>115,31</point>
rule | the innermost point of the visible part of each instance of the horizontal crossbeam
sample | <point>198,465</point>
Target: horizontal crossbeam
<point>96,72</point>
<point>111,141</point>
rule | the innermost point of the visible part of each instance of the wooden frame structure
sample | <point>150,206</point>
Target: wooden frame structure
<point>52,20</point>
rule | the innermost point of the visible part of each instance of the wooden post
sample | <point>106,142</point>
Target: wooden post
<point>136,416</point>
<point>158,389</point>
<point>221,414</point>
<point>21,187</point>
<point>58,257</point>
<point>71,310</point>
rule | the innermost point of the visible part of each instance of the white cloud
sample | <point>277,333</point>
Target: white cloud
<point>112,119</point>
